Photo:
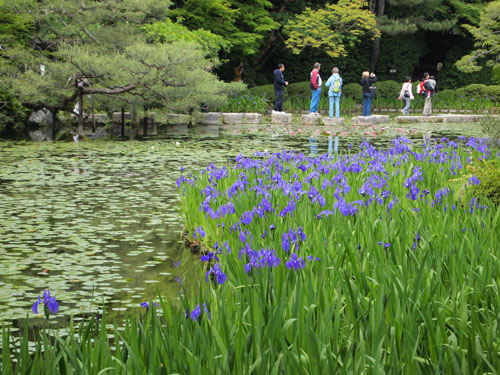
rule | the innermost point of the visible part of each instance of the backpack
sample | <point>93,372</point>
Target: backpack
<point>336,86</point>
<point>420,88</point>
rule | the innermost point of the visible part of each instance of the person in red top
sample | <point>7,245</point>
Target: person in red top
<point>315,84</point>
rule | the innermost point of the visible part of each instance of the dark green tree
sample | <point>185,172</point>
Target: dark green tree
<point>107,48</point>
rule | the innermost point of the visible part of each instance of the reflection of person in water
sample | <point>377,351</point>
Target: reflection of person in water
<point>239,73</point>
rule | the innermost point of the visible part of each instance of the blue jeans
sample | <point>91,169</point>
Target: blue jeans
<point>315,100</point>
<point>406,109</point>
<point>334,100</point>
<point>367,104</point>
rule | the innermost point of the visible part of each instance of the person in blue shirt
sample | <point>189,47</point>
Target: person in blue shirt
<point>335,85</point>
<point>279,87</point>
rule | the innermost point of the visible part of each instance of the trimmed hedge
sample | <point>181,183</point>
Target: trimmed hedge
<point>385,90</point>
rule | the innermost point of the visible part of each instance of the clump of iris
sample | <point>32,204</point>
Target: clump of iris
<point>50,304</point>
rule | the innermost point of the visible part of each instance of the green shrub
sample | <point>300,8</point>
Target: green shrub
<point>299,89</point>
<point>352,91</point>
<point>265,91</point>
<point>488,173</point>
<point>491,127</point>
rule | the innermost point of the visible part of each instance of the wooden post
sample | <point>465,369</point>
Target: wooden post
<point>145,126</point>
<point>122,130</point>
<point>133,116</point>
<point>93,114</point>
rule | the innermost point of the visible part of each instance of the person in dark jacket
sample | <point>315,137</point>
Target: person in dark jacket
<point>279,87</point>
<point>367,80</point>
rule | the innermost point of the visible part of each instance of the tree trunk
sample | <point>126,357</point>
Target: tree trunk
<point>379,12</point>
<point>80,111</point>
<point>54,125</point>
<point>122,128</point>
<point>133,128</point>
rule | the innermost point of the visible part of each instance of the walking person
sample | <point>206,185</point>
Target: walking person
<point>367,80</point>
<point>406,94</point>
<point>428,90</point>
<point>315,84</point>
<point>279,87</point>
<point>335,84</point>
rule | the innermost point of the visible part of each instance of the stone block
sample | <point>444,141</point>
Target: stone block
<point>281,118</point>
<point>330,121</point>
<point>41,135</point>
<point>40,117</point>
<point>232,118</point>
<point>117,117</point>
<point>311,119</point>
<point>252,118</point>
<point>370,120</point>
<point>462,118</point>
<point>178,119</point>
<point>208,118</point>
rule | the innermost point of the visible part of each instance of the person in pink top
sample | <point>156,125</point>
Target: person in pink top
<point>406,94</point>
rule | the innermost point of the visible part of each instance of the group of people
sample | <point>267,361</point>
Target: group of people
<point>334,83</point>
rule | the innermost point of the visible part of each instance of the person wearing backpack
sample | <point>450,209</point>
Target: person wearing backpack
<point>426,89</point>
<point>335,85</point>
<point>406,94</point>
<point>315,83</point>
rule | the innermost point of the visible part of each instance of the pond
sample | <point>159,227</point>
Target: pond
<point>97,222</point>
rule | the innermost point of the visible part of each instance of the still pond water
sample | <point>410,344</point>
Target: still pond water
<point>97,222</point>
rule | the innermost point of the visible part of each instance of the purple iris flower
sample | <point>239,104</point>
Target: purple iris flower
<point>146,305</point>
<point>386,244</point>
<point>211,255</point>
<point>199,231</point>
<point>195,313</point>
<point>50,303</point>
<point>295,263</point>
<point>474,180</point>
<point>219,275</point>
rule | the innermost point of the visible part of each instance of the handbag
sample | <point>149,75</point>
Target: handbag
<point>406,94</point>
<point>373,91</point>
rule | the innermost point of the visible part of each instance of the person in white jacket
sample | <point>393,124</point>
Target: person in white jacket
<point>406,94</point>
<point>335,85</point>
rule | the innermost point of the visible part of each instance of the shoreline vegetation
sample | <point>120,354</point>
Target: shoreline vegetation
<point>371,260</point>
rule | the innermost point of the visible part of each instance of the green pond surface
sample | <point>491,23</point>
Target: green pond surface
<point>97,221</point>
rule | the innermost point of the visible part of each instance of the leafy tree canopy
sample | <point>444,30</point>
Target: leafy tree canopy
<point>334,28</point>
<point>487,40</point>
<point>242,23</point>
<point>108,43</point>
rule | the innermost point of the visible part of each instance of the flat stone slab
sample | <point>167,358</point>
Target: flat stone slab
<point>117,117</point>
<point>232,118</point>
<point>100,118</point>
<point>441,118</point>
<point>252,118</point>
<point>209,118</point>
<point>370,120</point>
<point>177,119</point>
<point>329,121</point>
<point>281,118</point>
<point>311,119</point>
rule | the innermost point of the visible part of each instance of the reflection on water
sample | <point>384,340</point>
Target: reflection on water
<point>97,222</point>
